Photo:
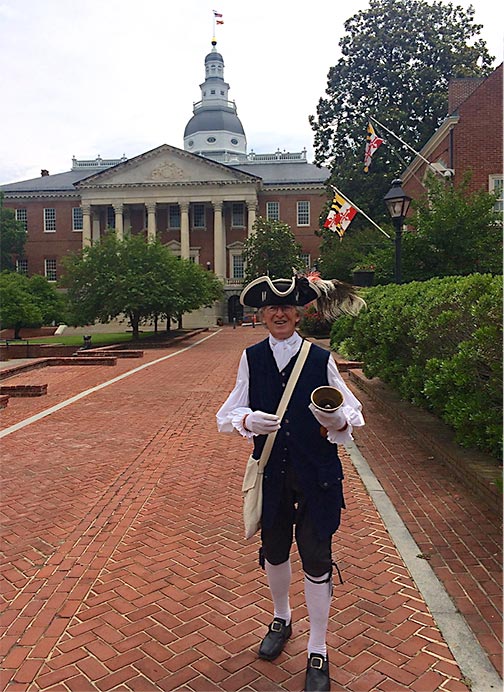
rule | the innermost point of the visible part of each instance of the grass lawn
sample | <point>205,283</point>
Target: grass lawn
<point>97,339</point>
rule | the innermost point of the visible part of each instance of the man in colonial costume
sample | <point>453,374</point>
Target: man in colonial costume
<point>302,482</point>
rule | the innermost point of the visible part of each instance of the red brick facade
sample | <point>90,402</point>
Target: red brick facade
<point>469,140</point>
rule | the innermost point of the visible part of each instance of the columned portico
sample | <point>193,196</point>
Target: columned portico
<point>151,221</point>
<point>252,210</point>
<point>184,230</point>
<point>219,241</point>
<point>126,220</point>
<point>119,225</point>
<point>96,227</point>
<point>86,225</point>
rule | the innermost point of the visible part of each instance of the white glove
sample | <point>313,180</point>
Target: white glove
<point>261,423</point>
<point>332,420</point>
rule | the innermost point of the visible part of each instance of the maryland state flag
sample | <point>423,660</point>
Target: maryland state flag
<point>340,215</point>
<point>372,144</point>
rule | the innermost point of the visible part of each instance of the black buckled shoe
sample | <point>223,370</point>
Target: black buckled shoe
<point>273,643</point>
<point>317,674</point>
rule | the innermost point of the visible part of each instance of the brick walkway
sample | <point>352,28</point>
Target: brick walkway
<point>125,567</point>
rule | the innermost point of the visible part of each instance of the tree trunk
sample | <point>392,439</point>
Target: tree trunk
<point>17,331</point>
<point>135,322</point>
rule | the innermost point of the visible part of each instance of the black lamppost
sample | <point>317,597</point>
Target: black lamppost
<point>397,202</point>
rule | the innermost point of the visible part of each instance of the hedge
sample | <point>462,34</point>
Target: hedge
<point>439,344</point>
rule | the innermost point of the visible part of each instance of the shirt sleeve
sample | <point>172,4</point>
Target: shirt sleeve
<point>231,413</point>
<point>351,407</point>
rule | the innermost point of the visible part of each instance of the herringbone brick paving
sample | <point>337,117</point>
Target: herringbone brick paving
<point>125,567</point>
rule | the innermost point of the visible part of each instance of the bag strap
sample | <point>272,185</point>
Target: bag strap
<point>298,366</point>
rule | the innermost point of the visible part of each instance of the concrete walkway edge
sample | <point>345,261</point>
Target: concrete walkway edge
<point>479,673</point>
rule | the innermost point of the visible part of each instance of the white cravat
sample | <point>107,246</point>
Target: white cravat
<point>285,349</point>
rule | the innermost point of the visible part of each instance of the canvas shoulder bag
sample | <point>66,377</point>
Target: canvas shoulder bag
<point>252,486</point>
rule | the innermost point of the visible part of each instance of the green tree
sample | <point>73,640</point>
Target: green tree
<point>129,277</point>
<point>12,237</point>
<point>28,302</point>
<point>271,250</point>
<point>339,257</point>
<point>51,302</point>
<point>397,59</point>
<point>457,232</point>
<point>197,288</point>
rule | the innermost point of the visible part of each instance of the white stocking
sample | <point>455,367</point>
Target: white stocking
<point>279,579</point>
<point>318,591</point>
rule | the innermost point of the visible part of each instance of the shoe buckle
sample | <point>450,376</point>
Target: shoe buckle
<point>317,662</point>
<point>276,626</point>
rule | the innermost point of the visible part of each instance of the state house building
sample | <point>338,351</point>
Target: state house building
<point>201,201</point>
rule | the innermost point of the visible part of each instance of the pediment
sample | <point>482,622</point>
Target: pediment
<point>166,165</point>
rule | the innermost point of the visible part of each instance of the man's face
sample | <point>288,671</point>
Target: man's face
<point>281,320</point>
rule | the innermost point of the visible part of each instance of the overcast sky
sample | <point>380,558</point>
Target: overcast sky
<point>114,77</point>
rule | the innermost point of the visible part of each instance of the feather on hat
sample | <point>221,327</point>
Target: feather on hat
<point>333,297</point>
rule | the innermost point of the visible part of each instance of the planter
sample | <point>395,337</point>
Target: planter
<point>363,277</point>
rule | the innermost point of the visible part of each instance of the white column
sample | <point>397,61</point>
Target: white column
<point>127,221</point>
<point>119,225</point>
<point>219,242</point>
<point>184,231</point>
<point>151,221</point>
<point>86,225</point>
<point>96,226</point>
<point>251,209</point>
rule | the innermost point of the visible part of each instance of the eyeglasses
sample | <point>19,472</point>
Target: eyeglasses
<point>271,309</point>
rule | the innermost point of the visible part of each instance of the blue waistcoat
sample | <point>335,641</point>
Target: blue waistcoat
<point>314,460</point>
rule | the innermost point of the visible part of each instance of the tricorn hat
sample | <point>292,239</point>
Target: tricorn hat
<point>332,297</point>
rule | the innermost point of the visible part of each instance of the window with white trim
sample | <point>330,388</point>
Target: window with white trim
<point>22,266</point>
<point>237,267</point>
<point>173,216</point>
<point>22,216</point>
<point>50,269</point>
<point>305,256</point>
<point>238,215</point>
<point>198,215</point>
<point>495,185</point>
<point>49,220</point>
<point>77,219</point>
<point>303,213</point>
<point>272,211</point>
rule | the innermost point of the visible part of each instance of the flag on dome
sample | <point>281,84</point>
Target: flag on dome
<point>340,215</point>
<point>218,17</point>
<point>372,144</point>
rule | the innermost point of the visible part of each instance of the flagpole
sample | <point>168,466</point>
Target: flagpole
<point>408,146</point>
<point>360,211</point>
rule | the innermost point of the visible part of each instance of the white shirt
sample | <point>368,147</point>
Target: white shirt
<point>231,413</point>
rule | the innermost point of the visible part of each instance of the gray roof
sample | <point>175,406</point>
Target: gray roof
<point>213,120</point>
<point>60,182</point>
<point>214,56</point>
<point>271,174</point>
<point>286,173</point>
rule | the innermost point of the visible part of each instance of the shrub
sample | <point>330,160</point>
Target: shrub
<point>438,343</point>
<point>313,324</point>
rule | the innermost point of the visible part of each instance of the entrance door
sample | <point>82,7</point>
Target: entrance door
<point>235,308</point>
